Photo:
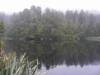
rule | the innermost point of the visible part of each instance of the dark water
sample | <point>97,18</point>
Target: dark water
<point>78,58</point>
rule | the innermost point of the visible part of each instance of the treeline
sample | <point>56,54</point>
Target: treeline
<point>53,25</point>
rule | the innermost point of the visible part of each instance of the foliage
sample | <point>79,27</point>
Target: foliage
<point>18,66</point>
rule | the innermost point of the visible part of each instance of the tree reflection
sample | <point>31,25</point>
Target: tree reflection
<point>52,54</point>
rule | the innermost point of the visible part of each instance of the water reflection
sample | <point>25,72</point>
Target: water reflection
<point>73,70</point>
<point>53,54</point>
<point>83,53</point>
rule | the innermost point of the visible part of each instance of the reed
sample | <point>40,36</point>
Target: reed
<point>11,65</point>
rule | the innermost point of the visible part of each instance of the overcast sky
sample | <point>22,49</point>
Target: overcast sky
<point>10,6</point>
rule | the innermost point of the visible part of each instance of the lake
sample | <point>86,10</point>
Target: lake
<point>72,70</point>
<point>79,58</point>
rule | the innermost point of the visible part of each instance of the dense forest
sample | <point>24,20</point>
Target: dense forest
<point>50,32</point>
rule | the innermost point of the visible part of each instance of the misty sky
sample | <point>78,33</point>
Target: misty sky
<point>10,6</point>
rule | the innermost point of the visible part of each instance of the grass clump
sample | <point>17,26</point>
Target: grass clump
<point>11,65</point>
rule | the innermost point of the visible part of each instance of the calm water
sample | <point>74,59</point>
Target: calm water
<point>78,58</point>
<point>72,70</point>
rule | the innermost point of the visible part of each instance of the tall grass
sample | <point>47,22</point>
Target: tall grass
<point>12,65</point>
